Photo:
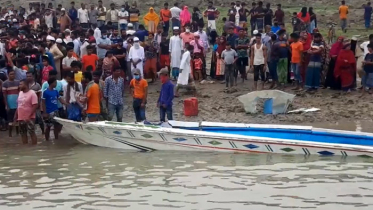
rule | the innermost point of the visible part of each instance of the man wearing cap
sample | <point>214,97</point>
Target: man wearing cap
<point>176,47</point>
<point>165,96</point>
<point>57,54</point>
<point>139,89</point>
<point>65,21</point>
<point>137,56</point>
<point>130,30</point>
<point>60,45</point>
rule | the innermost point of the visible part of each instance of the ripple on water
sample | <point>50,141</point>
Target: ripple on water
<point>84,177</point>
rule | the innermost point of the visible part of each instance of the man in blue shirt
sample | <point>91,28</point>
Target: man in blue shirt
<point>103,45</point>
<point>115,38</point>
<point>166,96</point>
<point>50,107</point>
<point>73,13</point>
<point>231,39</point>
<point>367,15</point>
<point>141,33</point>
<point>58,87</point>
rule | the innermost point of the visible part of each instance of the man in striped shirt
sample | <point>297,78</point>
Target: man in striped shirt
<point>11,92</point>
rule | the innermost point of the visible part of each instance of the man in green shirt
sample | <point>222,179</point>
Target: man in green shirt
<point>242,44</point>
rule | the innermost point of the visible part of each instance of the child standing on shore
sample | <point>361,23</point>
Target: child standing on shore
<point>296,54</point>
<point>229,56</point>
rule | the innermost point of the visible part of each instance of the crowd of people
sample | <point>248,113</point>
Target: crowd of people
<point>78,63</point>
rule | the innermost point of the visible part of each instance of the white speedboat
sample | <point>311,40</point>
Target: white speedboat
<point>222,137</point>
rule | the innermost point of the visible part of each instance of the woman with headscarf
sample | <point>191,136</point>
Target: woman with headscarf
<point>185,17</point>
<point>345,68</point>
<point>151,19</point>
<point>217,64</point>
<point>315,65</point>
<point>331,81</point>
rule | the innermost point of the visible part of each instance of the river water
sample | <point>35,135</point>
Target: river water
<point>66,175</point>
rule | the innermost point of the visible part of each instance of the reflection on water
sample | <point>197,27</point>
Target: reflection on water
<point>71,176</point>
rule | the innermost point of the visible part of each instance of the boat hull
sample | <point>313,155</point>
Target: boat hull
<point>147,138</point>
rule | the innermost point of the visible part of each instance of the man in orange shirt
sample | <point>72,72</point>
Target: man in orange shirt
<point>92,94</point>
<point>296,54</point>
<point>343,11</point>
<point>89,59</point>
<point>139,89</point>
<point>165,15</point>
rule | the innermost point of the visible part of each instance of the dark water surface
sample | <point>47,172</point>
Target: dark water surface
<point>67,175</point>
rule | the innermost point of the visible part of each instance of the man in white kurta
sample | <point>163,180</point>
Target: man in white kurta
<point>185,70</point>
<point>175,48</point>
<point>136,56</point>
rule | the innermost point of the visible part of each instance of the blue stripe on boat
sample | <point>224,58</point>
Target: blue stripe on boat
<point>294,134</point>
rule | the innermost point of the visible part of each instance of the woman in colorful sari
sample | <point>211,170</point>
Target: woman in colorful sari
<point>150,66</point>
<point>185,17</point>
<point>217,64</point>
<point>315,64</point>
<point>151,19</point>
<point>331,81</point>
<point>345,68</point>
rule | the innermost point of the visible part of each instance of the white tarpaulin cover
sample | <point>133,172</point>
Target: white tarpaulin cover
<point>280,103</point>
